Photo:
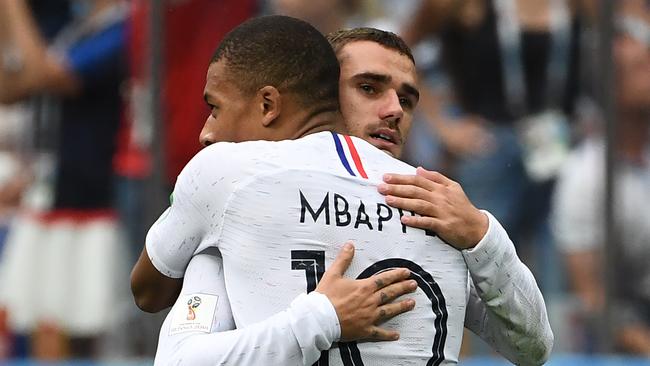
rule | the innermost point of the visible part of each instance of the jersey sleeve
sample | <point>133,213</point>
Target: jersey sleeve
<point>196,209</point>
<point>293,337</point>
<point>505,306</point>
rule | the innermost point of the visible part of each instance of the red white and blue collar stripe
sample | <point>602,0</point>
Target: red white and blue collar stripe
<point>349,156</point>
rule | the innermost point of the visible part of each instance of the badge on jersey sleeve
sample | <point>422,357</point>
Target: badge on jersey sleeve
<point>193,313</point>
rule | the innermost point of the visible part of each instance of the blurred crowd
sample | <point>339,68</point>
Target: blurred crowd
<point>511,108</point>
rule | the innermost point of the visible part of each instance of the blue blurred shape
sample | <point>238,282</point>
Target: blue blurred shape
<point>564,360</point>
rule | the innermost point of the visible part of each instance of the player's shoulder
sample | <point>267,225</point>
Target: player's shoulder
<point>223,166</point>
<point>380,160</point>
<point>227,153</point>
<point>253,148</point>
<point>254,156</point>
<point>219,160</point>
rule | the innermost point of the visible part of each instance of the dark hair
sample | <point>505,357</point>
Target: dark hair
<point>283,52</point>
<point>387,39</point>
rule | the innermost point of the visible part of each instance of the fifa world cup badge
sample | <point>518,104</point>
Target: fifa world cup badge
<point>193,313</point>
<point>192,304</point>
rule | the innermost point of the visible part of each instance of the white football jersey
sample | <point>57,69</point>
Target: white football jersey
<point>279,212</point>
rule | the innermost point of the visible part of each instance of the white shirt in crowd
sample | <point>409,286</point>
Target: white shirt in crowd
<point>578,222</point>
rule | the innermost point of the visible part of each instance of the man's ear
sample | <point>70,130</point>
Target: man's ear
<point>271,104</point>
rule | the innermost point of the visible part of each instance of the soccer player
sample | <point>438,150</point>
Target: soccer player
<point>189,272</point>
<point>273,210</point>
<point>376,101</point>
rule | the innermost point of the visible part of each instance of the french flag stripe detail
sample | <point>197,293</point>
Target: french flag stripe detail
<point>355,156</point>
<point>341,152</point>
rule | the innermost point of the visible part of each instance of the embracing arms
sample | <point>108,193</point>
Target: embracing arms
<point>505,308</point>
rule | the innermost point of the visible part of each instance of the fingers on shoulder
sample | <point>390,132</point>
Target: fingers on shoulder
<point>434,176</point>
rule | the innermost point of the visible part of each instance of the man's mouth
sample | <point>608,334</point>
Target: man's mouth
<point>382,136</point>
<point>386,139</point>
<point>386,135</point>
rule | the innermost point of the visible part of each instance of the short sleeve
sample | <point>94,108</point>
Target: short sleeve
<point>197,205</point>
<point>175,236</point>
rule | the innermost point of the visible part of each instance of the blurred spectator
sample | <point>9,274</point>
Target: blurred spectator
<point>50,17</point>
<point>15,148</point>
<point>11,132</point>
<point>14,174</point>
<point>513,69</point>
<point>62,270</point>
<point>325,15</point>
<point>578,208</point>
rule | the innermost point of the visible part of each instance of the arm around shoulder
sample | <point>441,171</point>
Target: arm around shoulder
<point>152,291</point>
<point>293,337</point>
<point>172,241</point>
<point>506,307</point>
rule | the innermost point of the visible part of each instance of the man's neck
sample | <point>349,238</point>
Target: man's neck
<point>321,121</point>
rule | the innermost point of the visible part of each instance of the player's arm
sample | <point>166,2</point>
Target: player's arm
<point>152,291</point>
<point>339,309</point>
<point>441,203</point>
<point>157,276</point>
<point>172,240</point>
<point>506,308</point>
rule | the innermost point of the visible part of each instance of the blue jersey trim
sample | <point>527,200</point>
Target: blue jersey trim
<point>339,150</point>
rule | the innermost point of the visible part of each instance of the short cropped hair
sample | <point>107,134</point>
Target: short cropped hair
<point>283,52</point>
<point>387,39</point>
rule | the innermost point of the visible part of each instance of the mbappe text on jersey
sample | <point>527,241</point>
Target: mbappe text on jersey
<point>335,206</point>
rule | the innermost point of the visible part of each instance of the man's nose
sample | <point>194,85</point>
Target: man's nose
<point>206,138</point>
<point>391,108</point>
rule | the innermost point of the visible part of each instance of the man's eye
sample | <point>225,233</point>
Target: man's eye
<point>406,102</point>
<point>367,88</point>
<point>213,111</point>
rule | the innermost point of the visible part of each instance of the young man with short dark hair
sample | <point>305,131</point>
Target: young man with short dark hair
<point>384,87</point>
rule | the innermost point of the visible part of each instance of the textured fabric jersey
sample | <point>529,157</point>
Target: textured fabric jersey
<point>278,213</point>
<point>505,309</point>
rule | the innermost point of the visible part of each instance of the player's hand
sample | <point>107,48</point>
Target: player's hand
<point>442,204</point>
<point>362,305</point>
